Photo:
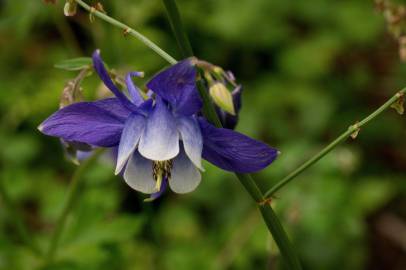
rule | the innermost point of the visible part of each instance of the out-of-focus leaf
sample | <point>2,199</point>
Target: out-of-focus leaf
<point>121,228</point>
<point>371,193</point>
<point>90,243</point>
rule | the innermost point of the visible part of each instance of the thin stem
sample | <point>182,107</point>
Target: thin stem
<point>128,30</point>
<point>16,218</point>
<point>332,145</point>
<point>177,28</point>
<point>74,188</point>
<point>290,258</point>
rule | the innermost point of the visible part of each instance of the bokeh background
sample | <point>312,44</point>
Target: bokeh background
<point>309,69</point>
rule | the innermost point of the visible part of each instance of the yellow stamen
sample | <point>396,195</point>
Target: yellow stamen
<point>158,182</point>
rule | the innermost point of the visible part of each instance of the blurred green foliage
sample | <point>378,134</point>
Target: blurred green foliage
<point>309,69</point>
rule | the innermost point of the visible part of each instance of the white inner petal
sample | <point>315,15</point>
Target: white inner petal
<point>185,177</point>
<point>160,140</point>
<point>138,174</point>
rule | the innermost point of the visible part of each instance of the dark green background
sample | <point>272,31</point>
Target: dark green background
<point>309,69</point>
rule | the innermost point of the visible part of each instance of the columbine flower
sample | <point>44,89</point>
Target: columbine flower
<point>161,140</point>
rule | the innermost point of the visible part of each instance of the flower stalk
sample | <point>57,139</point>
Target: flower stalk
<point>177,28</point>
<point>352,130</point>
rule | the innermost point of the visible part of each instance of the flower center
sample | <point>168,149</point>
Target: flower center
<point>160,171</point>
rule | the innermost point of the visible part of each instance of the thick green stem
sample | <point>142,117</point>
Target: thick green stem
<point>270,218</point>
<point>16,218</point>
<point>128,30</point>
<point>290,258</point>
<point>351,130</point>
<point>73,192</point>
<point>251,187</point>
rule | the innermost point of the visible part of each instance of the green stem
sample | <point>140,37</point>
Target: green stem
<point>269,216</point>
<point>177,28</point>
<point>286,249</point>
<point>128,30</point>
<point>332,145</point>
<point>16,218</point>
<point>74,190</point>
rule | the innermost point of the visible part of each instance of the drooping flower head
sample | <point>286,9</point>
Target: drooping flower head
<point>161,140</point>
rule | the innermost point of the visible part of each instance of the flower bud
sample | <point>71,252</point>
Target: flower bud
<point>222,97</point>
<point>70,8</point>
<point>224,91</point>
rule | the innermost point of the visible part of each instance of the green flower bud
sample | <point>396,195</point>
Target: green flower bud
<point>222,97</point>
<point>70,8</point>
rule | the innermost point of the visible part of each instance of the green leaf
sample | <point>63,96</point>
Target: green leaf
<point>120,229</point>
<point>75,63</point>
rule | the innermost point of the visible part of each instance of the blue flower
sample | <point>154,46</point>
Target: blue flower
<point>161,140</point>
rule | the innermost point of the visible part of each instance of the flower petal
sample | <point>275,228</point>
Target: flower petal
<point>104,76</point>
<point>133,129</point>
<point>160,140</point>
<point>177,85</point>
<point>233,151</point>
<point>237,97</point>
<point>87,122</point>
<point>192,139</point>
<point>138,174</point>
<point>185,177</point>
<point>133,90</point>
<point>146,107</point>
<point>113,106</point>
